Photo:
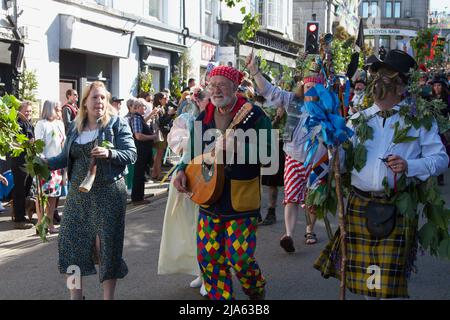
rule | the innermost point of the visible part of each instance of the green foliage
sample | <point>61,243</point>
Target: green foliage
<point>250,26</point>
<point>179,78</point>
<point>422,47</point>
<point>27,85</point>
<point>359,157</point>
<point>401,135</point>
<point>10,133</point>
<point>107,145</point>
<point>323,198</point>
<point>145,82</point>
<point>231,3</point>
<point>38,168</point>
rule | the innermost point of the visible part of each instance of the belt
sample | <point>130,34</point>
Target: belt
<point>380,195</point>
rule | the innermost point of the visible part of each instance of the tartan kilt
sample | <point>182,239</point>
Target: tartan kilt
<point>394,255</point>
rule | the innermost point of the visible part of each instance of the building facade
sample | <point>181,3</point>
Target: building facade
<point>11,48</point>
<point>329,14</point>
<point>274,41</point>
<point>71,43</point>
<point>393,24</point>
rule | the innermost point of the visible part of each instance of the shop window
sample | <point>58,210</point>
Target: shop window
<point>385,41</point>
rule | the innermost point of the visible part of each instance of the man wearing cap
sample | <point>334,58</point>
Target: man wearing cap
<point>116,102</point>
<point>388,251</point>
<point>295,174</point>
<point>227,228</point>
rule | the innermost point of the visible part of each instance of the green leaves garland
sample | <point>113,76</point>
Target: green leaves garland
<point>11,137</point>
<point>434,234</point>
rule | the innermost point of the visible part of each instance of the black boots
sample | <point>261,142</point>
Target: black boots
<point>270,217</point>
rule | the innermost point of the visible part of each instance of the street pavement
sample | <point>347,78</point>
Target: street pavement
<point>28,267</point>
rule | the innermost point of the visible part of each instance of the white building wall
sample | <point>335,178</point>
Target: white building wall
<point>41,18</point>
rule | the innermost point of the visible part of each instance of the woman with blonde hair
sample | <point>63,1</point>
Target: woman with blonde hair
<point>93,224</point>
<point>51,130</point>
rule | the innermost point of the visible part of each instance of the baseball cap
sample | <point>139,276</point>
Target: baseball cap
<point>116,99</point>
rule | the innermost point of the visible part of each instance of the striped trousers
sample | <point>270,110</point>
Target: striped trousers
<point>295,180</point>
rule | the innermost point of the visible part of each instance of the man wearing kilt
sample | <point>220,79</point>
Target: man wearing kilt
<point>387,254</point>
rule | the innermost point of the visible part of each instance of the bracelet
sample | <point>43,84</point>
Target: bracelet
<point>256,73</point>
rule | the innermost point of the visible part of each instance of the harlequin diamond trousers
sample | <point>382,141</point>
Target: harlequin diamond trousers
<point>222,245</point>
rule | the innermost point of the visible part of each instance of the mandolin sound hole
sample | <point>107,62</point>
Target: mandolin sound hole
<point>207,171</point>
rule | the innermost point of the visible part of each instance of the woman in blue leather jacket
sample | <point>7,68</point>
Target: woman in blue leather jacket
<point>93,225</point>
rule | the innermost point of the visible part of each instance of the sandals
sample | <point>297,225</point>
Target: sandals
<point>311,238</point>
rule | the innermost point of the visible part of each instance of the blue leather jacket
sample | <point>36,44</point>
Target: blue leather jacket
<point>118,132</point>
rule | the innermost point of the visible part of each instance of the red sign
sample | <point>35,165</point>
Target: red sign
<point>208,51</point>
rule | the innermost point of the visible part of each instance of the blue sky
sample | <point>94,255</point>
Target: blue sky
<point>440,5</point>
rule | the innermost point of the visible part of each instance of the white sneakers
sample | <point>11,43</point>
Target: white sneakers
<point>197,282</point>
<point>203,291</point>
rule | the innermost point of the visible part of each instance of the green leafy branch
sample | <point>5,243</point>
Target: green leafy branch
<point>250,26</point>
<point>37,168</point>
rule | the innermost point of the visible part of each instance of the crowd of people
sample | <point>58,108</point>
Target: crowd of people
<point>208,241</point>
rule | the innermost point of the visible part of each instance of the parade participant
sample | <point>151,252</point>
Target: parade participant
<point>22,180</point>
<point>226,233</point>
<point>358,98</point>
<point>295,174</point>
<point>94,222</point>
<point>51,130</point>
<point>440,92</point>
<point>178,249</point>
<point>3,181</point>
<point>163,123</point>
<point>273,182</point>
<point>70,109</point>
<point>391,248</point>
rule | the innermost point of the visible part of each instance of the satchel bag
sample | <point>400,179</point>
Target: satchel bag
<point>380,219</point>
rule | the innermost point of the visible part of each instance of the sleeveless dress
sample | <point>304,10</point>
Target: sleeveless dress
<point>99,212</point>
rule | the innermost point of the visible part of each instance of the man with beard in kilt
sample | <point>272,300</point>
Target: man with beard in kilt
<point>389,244</point>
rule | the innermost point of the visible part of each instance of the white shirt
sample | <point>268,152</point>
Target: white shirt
<point>425,156</point>
<point>53,135</point>
<point>87,136</point>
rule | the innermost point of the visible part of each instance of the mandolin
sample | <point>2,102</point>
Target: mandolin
<point>206,177</point>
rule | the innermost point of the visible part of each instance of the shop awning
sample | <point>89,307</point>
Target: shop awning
<point>87,36</point>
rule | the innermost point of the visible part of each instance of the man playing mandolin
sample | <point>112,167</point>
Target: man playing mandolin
<point>226,232</point>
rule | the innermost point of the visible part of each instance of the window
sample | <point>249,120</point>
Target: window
<point>209,26</point>
<point>106,3</point>
<point>373,9</point>
<point>274,14</point>
<point>388,9</point>
<point>154,8</point>
<point>365,12</point>
<point>398,6</point>
<point>385,41</point>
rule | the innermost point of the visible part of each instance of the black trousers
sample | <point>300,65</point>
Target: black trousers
<point>21,190</point>
<point>144,157</point>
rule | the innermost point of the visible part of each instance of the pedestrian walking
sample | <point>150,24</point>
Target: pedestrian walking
<point>51,130</point>
<point>93,224</point>
<point>178,248</point>
<point>295,173</point>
